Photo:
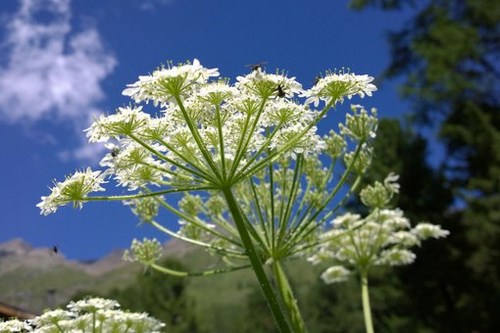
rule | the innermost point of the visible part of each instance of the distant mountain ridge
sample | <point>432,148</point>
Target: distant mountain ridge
<point>18,253</point>
<point>36,278</point>
<point>32,279</point>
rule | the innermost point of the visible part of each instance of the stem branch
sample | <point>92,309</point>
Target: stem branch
<point>255,261</point>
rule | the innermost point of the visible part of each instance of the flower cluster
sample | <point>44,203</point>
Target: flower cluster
<point>334,87</point>
<point>89,315</point>
<point>285,206</point>
<point>146,252</point>
<point>166,84</point>
<point>209,134</point>
<point>15,325</point>
<point>74,189</point>
<point>384,237</point>
<point>259,183</point>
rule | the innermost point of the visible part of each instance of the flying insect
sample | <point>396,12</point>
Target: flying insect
<point>54,250</point>
<point>257,66</point>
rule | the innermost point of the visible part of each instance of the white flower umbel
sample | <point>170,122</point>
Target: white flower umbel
<point>15,325</point>
<point>88,315</point>
<point>250,151</point>
<point>74,189</point>
<point>337,86</point>
<point>384,237</point>
<point>210,134</point>
<point>165,84</point>
<point>335,274</point>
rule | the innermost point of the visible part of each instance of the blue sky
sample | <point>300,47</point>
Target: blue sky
<point>64,61</point>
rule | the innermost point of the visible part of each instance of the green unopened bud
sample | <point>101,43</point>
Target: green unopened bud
<point>362,162</point>
<point>335,144</point>
<point>379,195</point>
<point>375,196</point>
<point>216,205</point>
<point>360,125</point>
<point>191,204</point>
<point>146,252</point>
<point>145,208</point>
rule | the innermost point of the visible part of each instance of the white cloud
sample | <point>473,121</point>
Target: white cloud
<point>49,71</point>
<point>86,152</point>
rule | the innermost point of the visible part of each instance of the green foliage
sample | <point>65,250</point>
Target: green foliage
<point>448,53</point>
<point>257,314</point>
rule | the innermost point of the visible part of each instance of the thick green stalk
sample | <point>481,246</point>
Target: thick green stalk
<point>365,298</point>
<point>255,261</point>
<point>288,298</point>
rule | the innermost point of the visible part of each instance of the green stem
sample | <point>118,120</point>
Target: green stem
<point>174,272</point>
<point>145,195</point>
<point>288,298</point>
<point>59,327</point>
<point>195,221</point>
<point>365,297</point>
<point>274,156</point>
<point>197,138</point>
<point>255,261</point>
<point>220,250</point>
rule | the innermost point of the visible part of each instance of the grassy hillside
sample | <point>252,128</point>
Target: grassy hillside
<point>220,302</point>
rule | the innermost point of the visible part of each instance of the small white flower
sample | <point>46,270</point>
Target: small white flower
<point>394,219</point>
<point>52,317</point>
<point>166,83</point>
<point>335,274</point>
<point>403,238</point>
<point>74,189</point>
<point>127,120</point>
<point>335,87</point>
<point>262,84</point>
<point>395,257</point>
<point>345,220</point>
<point>391,182</point>
<point>216,92</point>
<point>92,305</point>
<point>426,230</point>
<point>15,325</point>
<point>84,315</point>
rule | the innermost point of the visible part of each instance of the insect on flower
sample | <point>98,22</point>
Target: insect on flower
<point>115,152</point>
<point>280,92</point>
<point>257,66</point>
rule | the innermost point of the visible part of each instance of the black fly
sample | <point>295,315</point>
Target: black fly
<point>280,92</point>
<point>257,66</point>
<point>115,152</point>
